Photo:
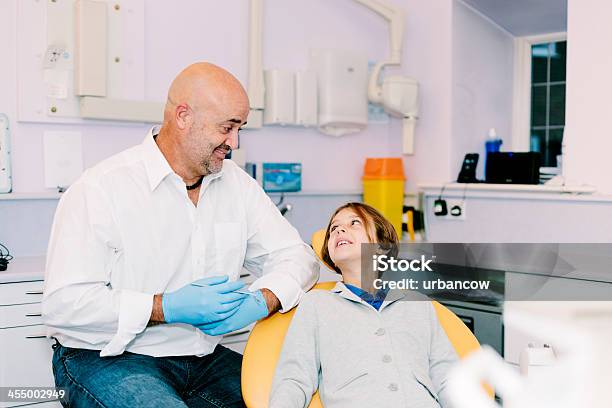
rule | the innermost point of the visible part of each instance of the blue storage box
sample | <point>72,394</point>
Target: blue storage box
<point>282,177</point>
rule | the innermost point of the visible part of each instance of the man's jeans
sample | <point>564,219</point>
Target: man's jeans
<point>134,380</point>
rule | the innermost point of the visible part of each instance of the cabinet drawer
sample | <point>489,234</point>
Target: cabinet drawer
<point>26,358</point>
<point>20,293</point>
<point>20,315</point>
<point>47,404</point>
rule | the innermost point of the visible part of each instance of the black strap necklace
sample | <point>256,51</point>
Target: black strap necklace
<point>196,184</point>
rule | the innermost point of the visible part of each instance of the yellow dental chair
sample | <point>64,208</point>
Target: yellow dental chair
<point>266,340</point>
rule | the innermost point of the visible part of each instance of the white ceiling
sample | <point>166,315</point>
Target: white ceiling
<point>525,17</point>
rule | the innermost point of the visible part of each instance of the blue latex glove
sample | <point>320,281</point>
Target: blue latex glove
<point>204,301</point>
<point>253,308</point>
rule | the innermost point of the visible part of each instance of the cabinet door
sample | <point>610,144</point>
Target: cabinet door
<point>26,358</point>
<point>486,326</point>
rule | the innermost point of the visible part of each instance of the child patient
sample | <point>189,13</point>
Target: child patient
<point>359,349</point>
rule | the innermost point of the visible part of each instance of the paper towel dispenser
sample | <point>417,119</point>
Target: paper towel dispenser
<point>342,82</point>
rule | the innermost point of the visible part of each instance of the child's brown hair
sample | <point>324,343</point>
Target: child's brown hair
<point>385,234</point>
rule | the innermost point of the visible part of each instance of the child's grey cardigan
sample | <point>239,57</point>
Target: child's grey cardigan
<point>357,356</point>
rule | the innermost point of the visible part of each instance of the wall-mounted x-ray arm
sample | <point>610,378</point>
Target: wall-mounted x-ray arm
<point>398,94</point>
<point>395,16</point>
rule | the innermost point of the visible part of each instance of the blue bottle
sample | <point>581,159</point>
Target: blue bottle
<point>492,144</point>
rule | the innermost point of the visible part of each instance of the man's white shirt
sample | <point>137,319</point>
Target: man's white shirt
<point>127,230</point>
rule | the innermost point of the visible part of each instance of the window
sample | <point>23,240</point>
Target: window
<point>548,62</point>
<point>538,112</point>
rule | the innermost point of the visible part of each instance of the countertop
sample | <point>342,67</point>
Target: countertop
<point>24,269</point>
<point>514,191</point>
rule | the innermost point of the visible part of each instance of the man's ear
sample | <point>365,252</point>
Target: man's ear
<point>183,116</point>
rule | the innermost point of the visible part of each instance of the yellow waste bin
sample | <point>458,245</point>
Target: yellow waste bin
<point>383,188</point>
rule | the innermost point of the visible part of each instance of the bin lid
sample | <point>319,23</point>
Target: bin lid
<point>386,168</point>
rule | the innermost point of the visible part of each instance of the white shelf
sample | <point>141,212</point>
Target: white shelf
<point>54,195</point>
<point>514,192</point>
<point>319,193</point>
<point>304,193</point>
<point>330,193</point>
<point>536,188</point>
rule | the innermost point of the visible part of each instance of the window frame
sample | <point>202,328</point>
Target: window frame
<point>521,101</point>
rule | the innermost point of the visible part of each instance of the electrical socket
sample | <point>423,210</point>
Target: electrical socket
<point>450,203</point>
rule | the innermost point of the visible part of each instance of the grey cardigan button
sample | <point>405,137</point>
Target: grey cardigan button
<point>393,387</point>
<point>386,358</point>
<point>380,332</point>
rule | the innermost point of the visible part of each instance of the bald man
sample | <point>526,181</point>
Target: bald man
<point>146,251</point>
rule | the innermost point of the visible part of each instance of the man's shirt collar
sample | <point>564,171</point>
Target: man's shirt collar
<point>156,164</point>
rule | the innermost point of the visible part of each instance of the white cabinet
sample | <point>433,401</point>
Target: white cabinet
<point>25,352</point>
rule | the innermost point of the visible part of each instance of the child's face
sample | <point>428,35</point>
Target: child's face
<point>346,234</point>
